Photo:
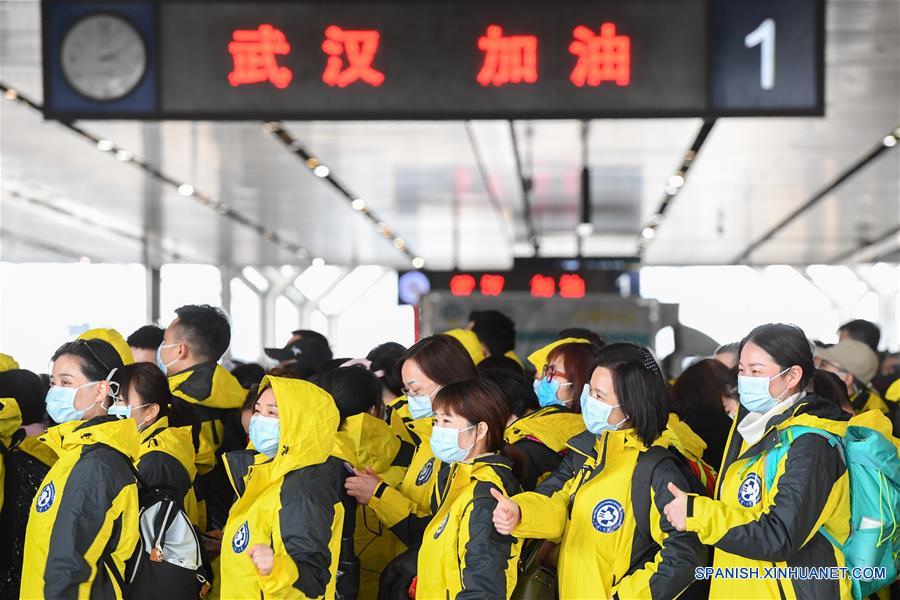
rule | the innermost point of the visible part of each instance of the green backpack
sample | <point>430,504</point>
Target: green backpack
<point>874,470</point>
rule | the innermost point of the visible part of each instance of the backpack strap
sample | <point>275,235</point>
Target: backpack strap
<point>641,483</point>
<point>786,437</point>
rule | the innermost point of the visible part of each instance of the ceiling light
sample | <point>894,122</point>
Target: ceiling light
<point>321,171</point>
<point>399,244</point>
<point>671,190</point>
<point>418,262</point>
<point>676,181</point>
<point>889,141</point>
<point>186,189</point>
<point>124,155</point>
<point>584,229</point>
<point>358,204</point>
<point>318,262</point>
<point>648,233</point>
<point>105,145</point>
<point>11,94</point>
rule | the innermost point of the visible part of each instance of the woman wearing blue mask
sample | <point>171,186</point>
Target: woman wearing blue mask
<point>779,521</point>
<point>83,524</point>
<point>616,541</point>
<point>542,435</point>
<point>428,366</point>
<point>169,431</point>
<point>283,534</point>
<point>461,555</point>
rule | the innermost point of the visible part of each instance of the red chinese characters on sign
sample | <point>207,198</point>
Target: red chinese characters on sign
<point>507,59</point>
<point>571,286</point>
<point>604,57</point>
<point>543,286</point>
<point>254,52</point>
<point>492,285</point>
<point>462,285</point>
<point>359,49</point>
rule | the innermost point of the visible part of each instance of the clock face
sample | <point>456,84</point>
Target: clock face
<point>103,57</point>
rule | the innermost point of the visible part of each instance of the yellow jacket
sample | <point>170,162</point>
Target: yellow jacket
<point>10,423</point>
<point>751,526</point>
<point>291,503</point>
<point>166,460</point>
<point>542,438</point>
<point>368,441</point>
<point>462,555</point>
<point>413,495</point>
<point>603,552</point>
<point>211,390</point>
<point>867,400</point>
<point>87,502</point>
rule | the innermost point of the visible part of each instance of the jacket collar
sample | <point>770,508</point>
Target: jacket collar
<point>119,434</point>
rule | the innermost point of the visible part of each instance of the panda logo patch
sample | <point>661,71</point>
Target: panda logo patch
<point>425,473</point>
<point>608,516</point>
<point>750,492</point>
<point>441,527</point>
<point>241,538</point>
<point>45,498</point>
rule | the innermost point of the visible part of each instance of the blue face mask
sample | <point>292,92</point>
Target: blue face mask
<point>264,434</point>
<point>61,400</point>
<point>419,406</point>
<point>754,393</point>
<point>61,403</point>
<point>596,413</point>
<point>445,444</point>
<point>546,390</point>
<point>123,411</point>
<point>164,367</point>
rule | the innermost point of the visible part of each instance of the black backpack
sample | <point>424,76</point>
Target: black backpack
<point>640,499</point>
<point>170,561</point>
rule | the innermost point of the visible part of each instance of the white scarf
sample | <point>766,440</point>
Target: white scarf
<point>753,426</point>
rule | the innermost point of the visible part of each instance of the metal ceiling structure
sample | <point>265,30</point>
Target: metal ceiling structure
<point>453,191</point>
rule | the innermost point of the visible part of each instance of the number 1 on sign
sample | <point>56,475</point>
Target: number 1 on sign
<point>764,37</point>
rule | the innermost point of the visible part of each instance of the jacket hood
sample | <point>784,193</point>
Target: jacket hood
<point>10,420</point>
<point>539,357</point>
<point>175,441</point>
<point>813,411</point>
<point>119,434</point>
<point>208,384</point>
<point>371,441</point>
<point>552,425</point>
<point>680,436</point>
<point>308,419</point>
<point>470,342</point>
<point>114,338</point>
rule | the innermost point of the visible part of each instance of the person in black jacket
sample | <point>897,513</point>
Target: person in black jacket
<point>699,395</point>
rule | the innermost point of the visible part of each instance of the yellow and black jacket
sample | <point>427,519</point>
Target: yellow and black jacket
<point>865,400</point>
<point>413,494</point>
<point>751,526</point>
<point>83,524</point>
<point>462,555</point>
<point>542,437</point>
<point>364,440</point>
<point>25,463</point>
<point>166,460</point>
<point>212,391</point>
<point>399,417</point>
<point>603,553</point>
<point>10,423</point>
<point>291,503</point>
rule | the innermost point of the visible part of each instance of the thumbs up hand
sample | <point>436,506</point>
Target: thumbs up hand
<point>676,510</point>
<point>507,513</point>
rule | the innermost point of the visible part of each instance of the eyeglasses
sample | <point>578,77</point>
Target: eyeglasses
<point>80,342</point>
<point>549,372</point>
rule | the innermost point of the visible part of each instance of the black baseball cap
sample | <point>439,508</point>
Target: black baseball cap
<point>309,355</point>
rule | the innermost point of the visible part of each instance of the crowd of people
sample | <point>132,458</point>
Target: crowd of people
<point>141,467</point>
